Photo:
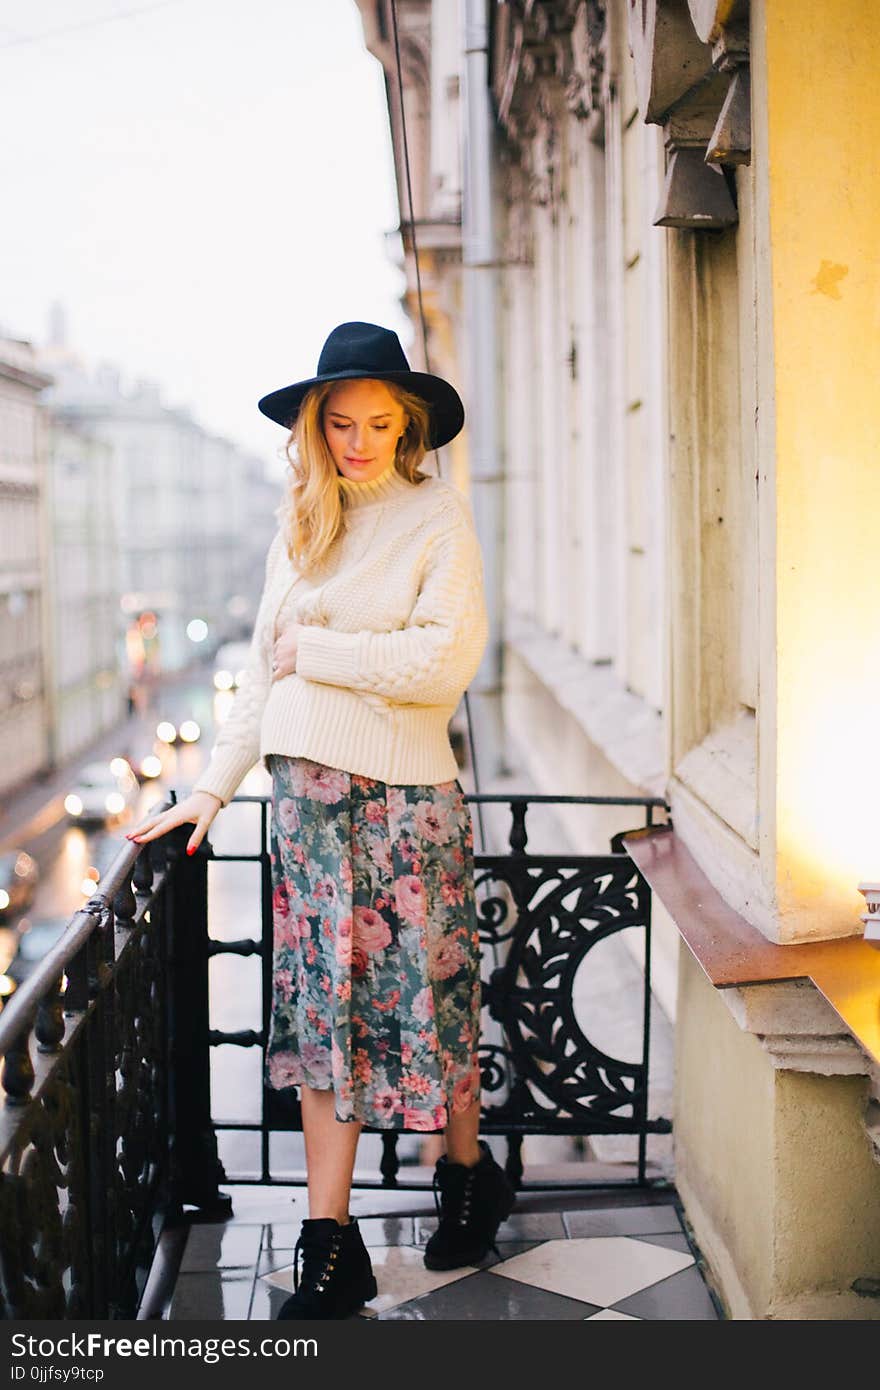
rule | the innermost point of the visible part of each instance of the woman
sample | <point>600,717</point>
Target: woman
<point>371,625</point>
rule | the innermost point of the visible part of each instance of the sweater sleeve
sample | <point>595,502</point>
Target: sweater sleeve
<point>431,660</point>
<point>237,745</point>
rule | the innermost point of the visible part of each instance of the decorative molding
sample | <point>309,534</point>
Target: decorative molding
<point>543,44</point>
<point>692,78</point>
<point>800,1031</point>
<point>695,195</point>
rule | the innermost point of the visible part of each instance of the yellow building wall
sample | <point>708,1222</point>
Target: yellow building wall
<point>823,113</point>
<point>775,1171</point>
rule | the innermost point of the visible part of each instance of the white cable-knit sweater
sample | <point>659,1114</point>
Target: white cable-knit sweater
<point>392,632</point>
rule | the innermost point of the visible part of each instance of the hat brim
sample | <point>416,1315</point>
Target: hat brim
<point>447,409</point>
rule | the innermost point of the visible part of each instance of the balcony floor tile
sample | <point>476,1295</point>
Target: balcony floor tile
<point>617,1263</point>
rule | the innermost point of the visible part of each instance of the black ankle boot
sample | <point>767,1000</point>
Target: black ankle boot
<point>471,1205</point>
<point>337,1276</point>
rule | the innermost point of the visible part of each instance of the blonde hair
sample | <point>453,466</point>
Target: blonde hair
<point>312,510</point>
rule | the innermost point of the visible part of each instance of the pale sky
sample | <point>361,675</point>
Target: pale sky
<point>205,185</point>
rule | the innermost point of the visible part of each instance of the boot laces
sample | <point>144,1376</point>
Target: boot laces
<point>314,1277</point>
<point>445,1200</point>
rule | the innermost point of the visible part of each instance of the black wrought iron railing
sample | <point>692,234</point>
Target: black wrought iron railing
<point>108,1130</point>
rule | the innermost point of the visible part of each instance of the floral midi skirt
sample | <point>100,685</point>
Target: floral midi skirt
<point>376,960</point>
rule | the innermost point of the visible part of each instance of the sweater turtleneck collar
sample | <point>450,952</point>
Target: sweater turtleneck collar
<point>386,485</point>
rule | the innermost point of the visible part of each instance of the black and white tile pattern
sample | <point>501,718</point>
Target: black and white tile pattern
<point>611,1263</point>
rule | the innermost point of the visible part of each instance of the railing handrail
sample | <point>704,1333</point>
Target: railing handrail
<point>526,796</point>
<point>19,1011</point>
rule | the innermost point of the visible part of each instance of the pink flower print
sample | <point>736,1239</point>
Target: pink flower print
<point>284,1070</point>
<point>421,1119</point>
<point>283,984</point>
<point>381,854</point>
<point>343,941</point>
<point>415,1083</point>
<point>388,1004</point>
<point>371,932</point>
<point>337,1059</point>
<point>445,959</point>
<point>423,1005</point>
<point>395,799</point>
<point>386,1101</point>
<point>283,937</point>
<point>376,812</point>
<point>451,888</point>
<point>311,953</point>
<point>325,890</point>
<point>358,960</point>
<point>325,784</point>
<point>346,874</point>
<point>281,901</point>
<point>431,822</point>
<point>362,783</point>
<point>288,816</point>
<point>411,900</point>
<point>316,1061</point>
<point>362,1067</point>
<point>406,849</point>
<point>406,1053</point>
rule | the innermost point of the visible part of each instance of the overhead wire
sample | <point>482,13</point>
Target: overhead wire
<point>85,24</point>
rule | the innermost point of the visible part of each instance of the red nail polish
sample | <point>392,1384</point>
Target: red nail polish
<point>191,849</point>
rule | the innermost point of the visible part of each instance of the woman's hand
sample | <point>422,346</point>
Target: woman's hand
<point>200,807</point>
<point>284,652</point>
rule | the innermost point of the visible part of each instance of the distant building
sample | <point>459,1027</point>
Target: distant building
<point>24,718</point>
<point>87,667</point>
<point>185,550</point>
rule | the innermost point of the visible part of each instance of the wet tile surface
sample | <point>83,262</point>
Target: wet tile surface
<point>223,1295</point>
<point>610,1315</point>
<point>480,1297</point>
<point>221,1247</point>
<point>681,1298</point>
<point>601,1270</point>
<point>668,1242</point>
<point>615,1263</point>
<point>624,1221</point>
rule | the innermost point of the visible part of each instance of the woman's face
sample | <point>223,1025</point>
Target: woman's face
<point>362,424</point>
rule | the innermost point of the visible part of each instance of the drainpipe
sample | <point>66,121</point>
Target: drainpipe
<point>481,359</point>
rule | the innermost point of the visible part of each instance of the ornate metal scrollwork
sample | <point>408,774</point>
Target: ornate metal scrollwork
<point>551,1077</point>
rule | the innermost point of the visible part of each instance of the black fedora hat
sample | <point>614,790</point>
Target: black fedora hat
<point>367,350</point>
